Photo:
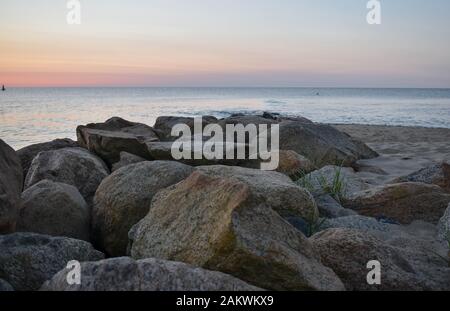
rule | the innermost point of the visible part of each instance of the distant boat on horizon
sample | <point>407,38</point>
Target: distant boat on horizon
<point>3,88</point>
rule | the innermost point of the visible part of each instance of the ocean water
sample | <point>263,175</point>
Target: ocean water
<point>33,115</point>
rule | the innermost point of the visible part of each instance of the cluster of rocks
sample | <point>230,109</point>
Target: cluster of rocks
<point>116,201</point>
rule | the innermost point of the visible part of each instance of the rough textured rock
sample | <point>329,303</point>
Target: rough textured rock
<point>163,151</point>
<point>124,198</point>
<point>72,166</point>
<point>108,139</point>
<point>293,165</point>
<point>357,222</point>
<point>217,224</point>
<point>27,260</point>
<point>164,125</point>
<point>444,226</point>
<point>438,174</point>
<point>126,274</point>
<point>246,120</point>
<point>5,286</point>
<point>54,209</point>
<point>126,159</point>
<point>318,181</point>
<point>27,154</point>
<point>11,181</point>
<point>274,189</point>
<point>323,144</point>
<point>403,202</point>
<point>295,118</point>
<point>329,208</point>
<point>348,252</point>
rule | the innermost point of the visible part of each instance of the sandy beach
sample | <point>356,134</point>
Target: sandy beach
<point>402,149</point>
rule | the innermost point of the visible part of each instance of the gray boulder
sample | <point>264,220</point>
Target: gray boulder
<point>5,286</point>
<point>27,260</point>
<point>126,274</point>
<point>403,202</point>
<point>444,227</point>
<point>110,138</point>
<point>438,174</point>
<point>162,150</point>
<point>406,267</point>
<point>357,222</point>
<point>124,198</point>
<point>164,125</point>
<point>322,143</point>
<point>125,160</point>
<point>246,120</point>
<point>72,166</point>
<point>329,208</point>
<point>11,182</point>
<point>54,209</point>
<point>293,165</point>
<point>274,189</point>
<point>219,224</point>
<point>27,154</point>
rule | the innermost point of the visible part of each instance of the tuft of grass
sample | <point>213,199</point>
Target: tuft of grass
<point>314,224</point>
<point>303,179</point>
<point>336,188</point>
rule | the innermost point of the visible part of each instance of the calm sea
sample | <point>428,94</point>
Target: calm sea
<point>32,115</point>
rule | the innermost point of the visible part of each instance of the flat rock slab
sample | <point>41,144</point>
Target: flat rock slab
<point>110,138</point>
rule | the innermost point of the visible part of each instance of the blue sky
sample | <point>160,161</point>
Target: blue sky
<point>226,43</point>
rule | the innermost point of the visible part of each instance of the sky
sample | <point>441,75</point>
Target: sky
<point>291,43</point>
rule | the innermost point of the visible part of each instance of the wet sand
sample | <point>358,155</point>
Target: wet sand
<point>402,150</point>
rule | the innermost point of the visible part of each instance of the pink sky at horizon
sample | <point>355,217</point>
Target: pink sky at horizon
<point>172,43</point>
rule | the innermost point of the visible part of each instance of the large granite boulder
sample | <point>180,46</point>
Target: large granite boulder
<point>11,183</point>
<point>27,154</point>
<point>73,166</point>
<point>438,174</point>
<point>403,202</point>
<point>164,124</point>
<point>408,266</point>
<point>220,224</point>
<point>323,144</point>
<point>55,209</point>
<point>276,190</point>
<point>126,274</point>
<point>27,260</point>
<point>124,198</point>
<point>115,135</point>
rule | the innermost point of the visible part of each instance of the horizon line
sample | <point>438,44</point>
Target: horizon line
<point>228,87</point>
